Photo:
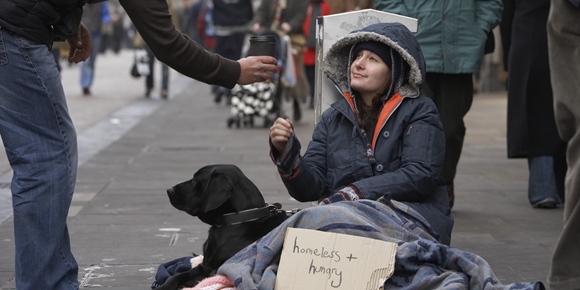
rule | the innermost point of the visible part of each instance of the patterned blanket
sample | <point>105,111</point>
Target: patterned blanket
<point>421,262</point>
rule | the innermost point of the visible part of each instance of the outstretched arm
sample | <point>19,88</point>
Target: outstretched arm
<point>153,21</point>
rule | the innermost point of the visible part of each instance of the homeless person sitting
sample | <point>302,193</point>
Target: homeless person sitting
<point>374,162</point>
<point>389,184</point>
<point>383,141</point>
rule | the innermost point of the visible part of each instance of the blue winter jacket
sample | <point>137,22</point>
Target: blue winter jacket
<point>452,33</point>
<point>402,161</point>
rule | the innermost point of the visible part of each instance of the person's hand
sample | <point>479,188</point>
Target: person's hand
<point>256,28</point>
<point>280,132</point>
<point>81,45</point>
<point>285,27</point>
<point>256,69</point>
<point>348,193</point>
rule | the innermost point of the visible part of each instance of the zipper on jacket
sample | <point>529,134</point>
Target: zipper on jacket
<point>370,150</point>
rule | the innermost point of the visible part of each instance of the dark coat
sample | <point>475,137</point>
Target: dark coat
<point>43,21</point>
<point>232,13</point>
<point>406,152</point>
<point>531,127</point>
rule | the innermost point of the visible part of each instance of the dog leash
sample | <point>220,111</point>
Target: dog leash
<point>253,214</point>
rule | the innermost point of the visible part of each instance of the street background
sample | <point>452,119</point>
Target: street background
<point>132,149</point>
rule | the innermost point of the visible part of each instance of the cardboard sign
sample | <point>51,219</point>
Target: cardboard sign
<point>318,260</point>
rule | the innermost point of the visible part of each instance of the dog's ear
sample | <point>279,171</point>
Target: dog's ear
<point>217,192</point>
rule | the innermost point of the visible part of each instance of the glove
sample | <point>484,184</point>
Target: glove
<point>349,193</point>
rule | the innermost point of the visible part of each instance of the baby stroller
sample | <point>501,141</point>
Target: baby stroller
<point>260,99</point>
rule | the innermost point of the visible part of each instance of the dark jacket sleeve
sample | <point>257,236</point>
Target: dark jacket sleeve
<point>153,21</point>
<point>505,27</point>
<point>309,181</point>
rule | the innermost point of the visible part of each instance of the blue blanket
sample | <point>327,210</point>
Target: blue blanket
<point>421,262</point>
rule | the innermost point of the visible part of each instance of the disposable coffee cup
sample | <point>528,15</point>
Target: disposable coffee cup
<point>263,45</point>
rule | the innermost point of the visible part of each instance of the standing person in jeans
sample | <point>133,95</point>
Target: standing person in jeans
<point>564,54</point>
<point>40,143</point>
<point>38,133</point>
<point>531,127</point>
<point>452,35</point>
<point>150,78</point>
<point>94,15</point>
<point>138,43</point>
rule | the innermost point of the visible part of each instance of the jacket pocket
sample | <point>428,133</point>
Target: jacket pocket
<point>419,144</point>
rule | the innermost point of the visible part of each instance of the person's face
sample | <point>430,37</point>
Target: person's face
<point>368,74</point>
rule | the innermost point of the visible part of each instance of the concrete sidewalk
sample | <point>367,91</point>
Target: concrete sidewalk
<point>122,225</point>
<point>97,118</point>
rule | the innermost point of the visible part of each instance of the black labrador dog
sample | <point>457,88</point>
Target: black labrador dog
<point>222,196</point>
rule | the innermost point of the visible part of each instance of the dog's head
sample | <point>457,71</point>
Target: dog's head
<point>214,191</point>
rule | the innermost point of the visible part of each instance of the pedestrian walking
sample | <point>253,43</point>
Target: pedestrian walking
<point>196,24</point>
<point>94,17</point>
<point>138,43</point>
<point>531,127</point>
<point>452,35</point>
<point>116,36</point>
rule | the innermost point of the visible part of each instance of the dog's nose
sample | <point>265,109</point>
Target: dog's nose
<point>170,191</point>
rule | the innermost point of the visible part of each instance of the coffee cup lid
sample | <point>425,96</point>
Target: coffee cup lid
<point>262,38</point>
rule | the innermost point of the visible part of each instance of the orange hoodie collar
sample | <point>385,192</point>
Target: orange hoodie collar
<point>390,106</point>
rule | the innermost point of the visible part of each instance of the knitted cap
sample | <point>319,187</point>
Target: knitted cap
<point>378,48</point>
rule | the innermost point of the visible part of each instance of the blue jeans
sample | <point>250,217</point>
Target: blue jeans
<point>41,146</point>
<point>542,180</point>
<point>88,66</point>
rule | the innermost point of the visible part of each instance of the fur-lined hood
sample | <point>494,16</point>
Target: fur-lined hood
<point>336,64</point>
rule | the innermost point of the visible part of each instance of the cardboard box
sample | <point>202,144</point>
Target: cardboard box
<point>317,260</point>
